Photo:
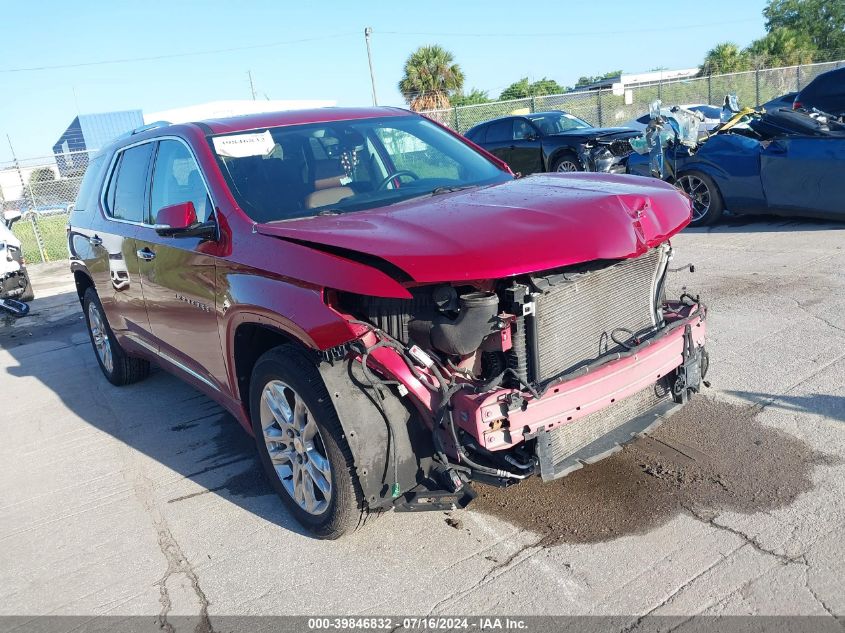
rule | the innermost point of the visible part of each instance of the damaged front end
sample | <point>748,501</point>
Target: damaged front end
<point>532,374</point>
<point>606,155</point>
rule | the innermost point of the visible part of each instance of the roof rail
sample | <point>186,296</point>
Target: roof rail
<point>150,126</point>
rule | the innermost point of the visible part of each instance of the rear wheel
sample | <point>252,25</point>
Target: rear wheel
<point>301,444</point>
<point>118,367</point>
<point>707,204</point>
<point>28,293</point>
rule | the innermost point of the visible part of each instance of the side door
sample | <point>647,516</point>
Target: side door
<point>106,244</point>
<point>499,139</point>
<point>804,173</point>
<point>177,274</point>
<point>525,148</point>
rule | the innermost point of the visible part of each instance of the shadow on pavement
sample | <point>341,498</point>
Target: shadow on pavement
<point>767,224</point>
<point>825,404</point>
<point>161,417</point>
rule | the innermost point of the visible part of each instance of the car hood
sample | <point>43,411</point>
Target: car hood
<point>599,132</point>
<point>522,226</point>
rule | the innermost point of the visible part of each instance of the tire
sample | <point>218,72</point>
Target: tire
<point>288,400</point>
<point>28,293</point>
<point>566,163</point>
<point>708,205</point>
<point>117,366</point>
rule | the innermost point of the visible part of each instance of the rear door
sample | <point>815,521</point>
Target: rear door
<point>499,139</point>
<point>804,173</point>
<point>177,273</point>
<point>104,239</point>
<point>525,151</point>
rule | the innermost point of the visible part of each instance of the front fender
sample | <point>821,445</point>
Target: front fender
<point>365,425</point>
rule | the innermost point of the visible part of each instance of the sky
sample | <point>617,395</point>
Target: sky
<point>316,50</point>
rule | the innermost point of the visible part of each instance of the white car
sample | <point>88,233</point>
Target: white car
<point>712,117</point>
<point>14,280</point>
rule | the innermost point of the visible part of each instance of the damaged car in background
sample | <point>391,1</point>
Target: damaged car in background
<point>553,141</point>
<point>783,162</point>
<point>385,307</point>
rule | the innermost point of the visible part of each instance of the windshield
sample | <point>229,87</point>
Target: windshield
<point>557,122</point>
<point>298,171</point>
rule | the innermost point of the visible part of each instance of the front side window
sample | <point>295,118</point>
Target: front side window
<point>338,167</point>
<point>177,180</point>
<point>522,130</point>
<point>125,197</point>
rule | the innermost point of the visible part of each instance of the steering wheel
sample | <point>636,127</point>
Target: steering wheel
<point>396,174</point>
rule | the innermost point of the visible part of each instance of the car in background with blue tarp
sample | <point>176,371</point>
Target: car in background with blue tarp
<point>784,162</point>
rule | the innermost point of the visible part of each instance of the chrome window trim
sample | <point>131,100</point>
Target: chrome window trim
<point>110,173</point>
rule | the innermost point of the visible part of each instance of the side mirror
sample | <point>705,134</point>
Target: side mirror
<point>11,216</point>
<point>180,220</point>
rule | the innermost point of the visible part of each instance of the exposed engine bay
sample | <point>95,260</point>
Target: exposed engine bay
<point>503,359</point>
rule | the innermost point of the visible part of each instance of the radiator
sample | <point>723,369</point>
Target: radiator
<point>575,317</point>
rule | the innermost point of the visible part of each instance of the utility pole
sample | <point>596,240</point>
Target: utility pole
<point>251,85</point>
<point>367,32</point>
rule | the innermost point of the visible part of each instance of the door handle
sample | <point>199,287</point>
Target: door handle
<point>95,241</point>
<point>146,254</point>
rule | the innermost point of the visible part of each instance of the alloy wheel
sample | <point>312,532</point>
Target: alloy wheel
<point>698,190</point>
<point>567,166</point>
<point>295,447</point>
<point>100,337</point>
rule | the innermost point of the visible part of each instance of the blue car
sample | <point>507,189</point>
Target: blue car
<point>783,162</point>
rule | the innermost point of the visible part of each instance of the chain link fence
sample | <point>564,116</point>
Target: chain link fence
<point>604,108</point>
<point>43,191</point>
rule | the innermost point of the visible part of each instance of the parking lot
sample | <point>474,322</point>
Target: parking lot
<point>148,500</point>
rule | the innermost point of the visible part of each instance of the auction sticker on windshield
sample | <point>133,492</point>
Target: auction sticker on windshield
<point>242,145</point>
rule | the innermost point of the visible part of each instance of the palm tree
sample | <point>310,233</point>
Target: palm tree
<point>724,58</point>
<point>431,78</point>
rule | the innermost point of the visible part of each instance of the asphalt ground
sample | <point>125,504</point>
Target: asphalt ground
<point>147,500</point>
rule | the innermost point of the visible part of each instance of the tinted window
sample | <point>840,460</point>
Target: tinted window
<point>177,179</point>
<point>476,134</point>
<point>522,129</point>
<point>500,131</point>
<point>125,197</point>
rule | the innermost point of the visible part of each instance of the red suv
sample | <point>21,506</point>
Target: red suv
<point>383,305</point>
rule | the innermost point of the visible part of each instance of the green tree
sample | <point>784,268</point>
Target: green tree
<point>523,88</point>
<point>431,78</point>
<point>781,47</point>
<point>726,57</point>
<point>823,21</point>
<point>586,80</point>
<point>473,97</point>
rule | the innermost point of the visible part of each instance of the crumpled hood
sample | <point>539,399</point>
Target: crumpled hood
<point>607,133</point>
<point>528,225</point>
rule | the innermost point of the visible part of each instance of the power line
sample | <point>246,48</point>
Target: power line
<point>627,31</point>
<point>127,60</point>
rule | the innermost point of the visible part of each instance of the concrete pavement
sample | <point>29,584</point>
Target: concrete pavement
<point>148,499</point>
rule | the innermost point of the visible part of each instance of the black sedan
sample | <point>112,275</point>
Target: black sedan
<point>553,141</point>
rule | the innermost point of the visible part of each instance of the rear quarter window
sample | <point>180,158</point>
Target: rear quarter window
<point>88,190</point>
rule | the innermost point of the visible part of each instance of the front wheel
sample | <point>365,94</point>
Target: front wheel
<point>707,204</point>
<point>301,444</point>
<point>566,163</point>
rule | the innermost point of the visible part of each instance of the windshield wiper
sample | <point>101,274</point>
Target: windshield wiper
<point>330,212</point>
<point>438,190</point>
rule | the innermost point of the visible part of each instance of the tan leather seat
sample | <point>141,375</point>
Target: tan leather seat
<point>325,197</point>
